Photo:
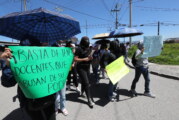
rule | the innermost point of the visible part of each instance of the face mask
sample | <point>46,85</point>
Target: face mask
<point>84,43</point>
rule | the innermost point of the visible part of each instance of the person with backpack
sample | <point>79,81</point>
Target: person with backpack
<point>141,67</point>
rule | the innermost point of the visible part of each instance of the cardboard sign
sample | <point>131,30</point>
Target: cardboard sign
<point>41,71</point>
<point>116,70</point>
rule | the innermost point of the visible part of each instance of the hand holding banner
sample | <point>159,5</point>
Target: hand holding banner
<point>40,71</point>
<point>116,70</point>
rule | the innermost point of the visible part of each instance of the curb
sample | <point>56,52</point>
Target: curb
<point>155,73</point>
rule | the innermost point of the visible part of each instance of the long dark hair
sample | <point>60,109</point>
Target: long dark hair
<point>84,43</point>
<point>30,41</point>
<point>115,48</point>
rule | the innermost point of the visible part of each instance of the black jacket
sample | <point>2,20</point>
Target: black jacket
<point>107,58</point>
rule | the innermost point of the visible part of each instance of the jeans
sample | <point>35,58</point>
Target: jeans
<point>103,72</point>
<point>111,89</point>
<point>126,56</point>
<point>60,99</point>
<point>138,72</point>
<point>95,72</point>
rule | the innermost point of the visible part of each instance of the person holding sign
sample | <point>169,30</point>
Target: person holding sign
<point>37,109</point>
<point>107,58</point>
<point>141,67</point>
<point>83,59</point>
<point>73,70</point>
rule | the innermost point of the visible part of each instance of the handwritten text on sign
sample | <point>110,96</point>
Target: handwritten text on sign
<point>41,71</point>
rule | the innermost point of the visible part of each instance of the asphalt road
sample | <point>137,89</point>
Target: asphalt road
<point>164,107</point>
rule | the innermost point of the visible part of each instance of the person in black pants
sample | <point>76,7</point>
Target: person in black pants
<point>83,59</point>
<point>37,109</point>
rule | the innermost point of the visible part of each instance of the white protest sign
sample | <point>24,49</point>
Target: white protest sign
<point>153,46</point>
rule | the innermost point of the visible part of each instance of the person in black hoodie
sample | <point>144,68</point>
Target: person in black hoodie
<point>83,59</point>
<point>107,58</point>
<point>37,109</point>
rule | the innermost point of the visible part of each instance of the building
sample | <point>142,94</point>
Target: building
<point>3,43</point>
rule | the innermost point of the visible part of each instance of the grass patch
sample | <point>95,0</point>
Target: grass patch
<point>168,56</point>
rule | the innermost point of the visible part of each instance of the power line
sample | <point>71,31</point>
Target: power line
<point>114,2</point>
<point>102,25</point>
<point>73,3</point>
<point>76,11</point>
<point>123,13</point>
<point>137,1</point>
<point>158,9</point>
<point>106,7</point>
<point>161,23</point>
<point>95,26</point>
<point>116,10</point>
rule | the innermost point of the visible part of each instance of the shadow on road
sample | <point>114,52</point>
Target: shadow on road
<point>124,92</point>
<point>99,93</point>
<point>16,114</point>
<point>75,97</point>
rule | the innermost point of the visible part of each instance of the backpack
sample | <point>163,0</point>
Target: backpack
<point>134,61</point>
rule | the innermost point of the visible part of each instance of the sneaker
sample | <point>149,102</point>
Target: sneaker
<point>82,95</point>
<point>78,90</point>
<point>64,112</point>
<point>134,93</point>
<point>103,77</point>
<point>56,112</point>
<point>68,87</point>
<point>97,82</point>
<point>112,99</point>
<point>114,94</point>
<point>149,94</point>
<point>91,104</point>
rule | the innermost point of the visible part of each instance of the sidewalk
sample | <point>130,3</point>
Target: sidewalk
<point>168,71</point>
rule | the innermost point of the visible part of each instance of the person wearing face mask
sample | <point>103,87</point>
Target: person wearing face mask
<point>83,59</point>
<point>37,109</point>
<point>106,59</point>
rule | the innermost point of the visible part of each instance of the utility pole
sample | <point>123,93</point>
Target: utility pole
<point>25,5</point>
<point>130,20</point>
<point>158,28</point>
<point>116,10</point>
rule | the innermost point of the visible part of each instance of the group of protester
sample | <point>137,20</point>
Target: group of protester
<point>85,56</point>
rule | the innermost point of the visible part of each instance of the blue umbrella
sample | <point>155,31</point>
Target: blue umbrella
<point>125,32</point>
<point>42,24</point>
